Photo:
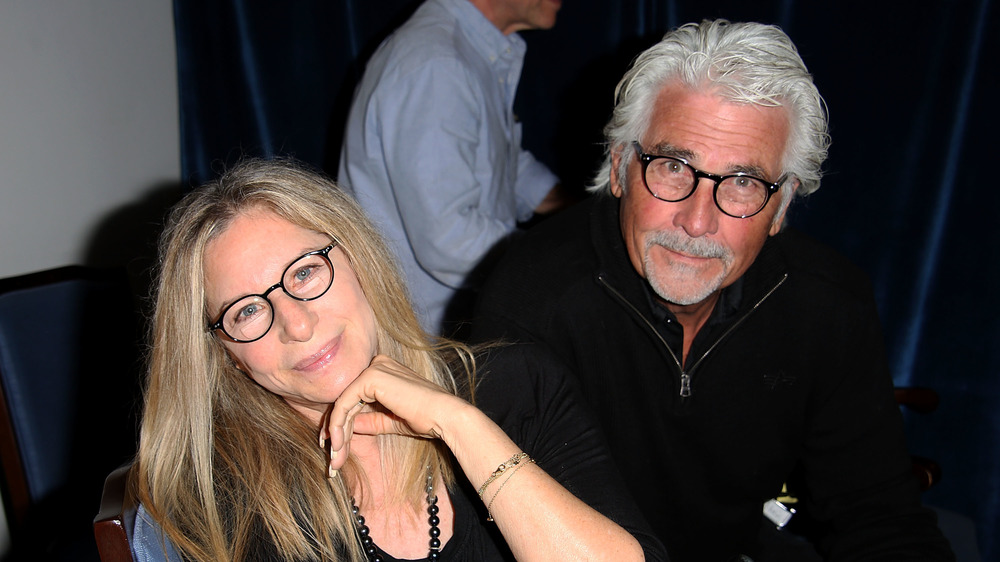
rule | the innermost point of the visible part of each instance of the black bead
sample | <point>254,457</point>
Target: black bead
<point>368,544</point>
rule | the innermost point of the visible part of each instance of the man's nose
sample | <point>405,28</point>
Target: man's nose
<point>698,215</point>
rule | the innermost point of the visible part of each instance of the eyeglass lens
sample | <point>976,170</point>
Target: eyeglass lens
<point>250,318</point>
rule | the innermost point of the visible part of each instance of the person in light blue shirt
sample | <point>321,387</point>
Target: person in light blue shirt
<point>432,149</point>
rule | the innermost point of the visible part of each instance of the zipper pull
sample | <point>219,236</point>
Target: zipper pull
<point>685,385</point>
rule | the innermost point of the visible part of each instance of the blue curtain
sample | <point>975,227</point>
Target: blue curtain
<point>909,192</point>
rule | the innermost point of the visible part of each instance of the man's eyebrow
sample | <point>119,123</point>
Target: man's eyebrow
<point>750,170</point>
<point>667,149</point>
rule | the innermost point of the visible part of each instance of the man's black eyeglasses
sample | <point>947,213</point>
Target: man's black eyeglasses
<point>672,179</point>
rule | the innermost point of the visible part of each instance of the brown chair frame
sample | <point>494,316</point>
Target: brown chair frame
<point>112,526</point>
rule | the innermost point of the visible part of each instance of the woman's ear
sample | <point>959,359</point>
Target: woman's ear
<point>236,361</point>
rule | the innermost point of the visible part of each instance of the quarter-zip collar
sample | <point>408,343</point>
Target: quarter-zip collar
<point>736,302</point>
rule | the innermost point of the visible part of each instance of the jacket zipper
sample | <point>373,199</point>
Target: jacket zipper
<point>686,374</point>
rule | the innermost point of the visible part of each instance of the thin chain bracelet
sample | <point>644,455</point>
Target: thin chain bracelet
<point>504,466</point>
<point>489,508</point>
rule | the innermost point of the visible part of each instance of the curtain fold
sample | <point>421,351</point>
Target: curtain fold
<point>908,193</point>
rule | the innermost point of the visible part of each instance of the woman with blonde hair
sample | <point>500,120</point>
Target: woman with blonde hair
<point>295,410</point>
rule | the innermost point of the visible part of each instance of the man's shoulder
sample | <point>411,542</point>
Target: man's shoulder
<point>432,37</point>
<point>559,245</point>
<point>543,272</point>
<point>809,260</point>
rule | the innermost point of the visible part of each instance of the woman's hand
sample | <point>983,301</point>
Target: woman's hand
<point>558,522</point>
<point>415,407</point>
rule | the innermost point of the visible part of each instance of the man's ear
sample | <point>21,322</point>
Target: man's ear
<point>616,187</point>
<point>786,201</point>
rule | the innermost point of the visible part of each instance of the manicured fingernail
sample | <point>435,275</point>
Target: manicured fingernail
<point>331,472</point>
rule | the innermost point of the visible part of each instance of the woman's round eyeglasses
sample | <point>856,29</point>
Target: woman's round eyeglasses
<point>249,318</point>
<point>672,179</point>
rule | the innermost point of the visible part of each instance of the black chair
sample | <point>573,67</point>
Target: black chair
<point>68,388</point>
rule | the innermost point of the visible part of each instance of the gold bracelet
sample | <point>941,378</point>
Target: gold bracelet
<point>489,507</point>
<point>504,466</point>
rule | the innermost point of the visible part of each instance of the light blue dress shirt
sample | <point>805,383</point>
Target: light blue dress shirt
<point>432,149</point>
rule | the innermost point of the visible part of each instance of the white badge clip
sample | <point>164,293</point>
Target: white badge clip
<point>778,513</point>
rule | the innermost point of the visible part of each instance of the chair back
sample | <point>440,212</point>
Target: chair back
<point>116,518</point>
<point>68,389</point>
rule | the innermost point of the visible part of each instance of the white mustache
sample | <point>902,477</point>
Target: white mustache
<point>697,247</point>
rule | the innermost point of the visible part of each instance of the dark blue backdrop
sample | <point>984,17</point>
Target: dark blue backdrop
<point>909,193</point>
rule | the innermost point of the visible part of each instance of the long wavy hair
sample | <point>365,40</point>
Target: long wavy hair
<point>749,63</point>
<point>225,466</point>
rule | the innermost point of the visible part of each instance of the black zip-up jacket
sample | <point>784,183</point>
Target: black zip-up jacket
<point>787,382</point>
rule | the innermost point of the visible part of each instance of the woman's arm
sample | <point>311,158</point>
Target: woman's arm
<point>538,517</point>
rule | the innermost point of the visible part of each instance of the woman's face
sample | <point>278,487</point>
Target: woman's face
<point>315,348</point>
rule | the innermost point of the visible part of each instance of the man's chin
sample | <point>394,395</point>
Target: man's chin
<point>683,293</point>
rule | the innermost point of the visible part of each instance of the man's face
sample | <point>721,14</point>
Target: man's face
<point>689,250</point>
<point>518,15</point>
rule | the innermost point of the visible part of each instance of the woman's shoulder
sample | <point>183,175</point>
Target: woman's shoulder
<point>505,368</point>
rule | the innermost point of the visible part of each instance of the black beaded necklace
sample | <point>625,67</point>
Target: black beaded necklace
<point>371,551</point>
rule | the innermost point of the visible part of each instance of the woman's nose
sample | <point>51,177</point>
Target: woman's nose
<point>294,319</point>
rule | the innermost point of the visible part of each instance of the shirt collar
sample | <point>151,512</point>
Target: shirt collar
<point>725,309</point>
<point>492,44</point>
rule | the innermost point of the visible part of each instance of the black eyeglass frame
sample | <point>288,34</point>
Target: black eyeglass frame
<point>323,253</point>
<point>645,159</point>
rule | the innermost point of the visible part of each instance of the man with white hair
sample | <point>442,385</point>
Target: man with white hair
<point>724,356</point>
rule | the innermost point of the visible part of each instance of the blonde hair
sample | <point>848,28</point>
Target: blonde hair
<point>224,466</point>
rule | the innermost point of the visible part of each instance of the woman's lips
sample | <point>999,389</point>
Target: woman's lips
<point>321,358</point>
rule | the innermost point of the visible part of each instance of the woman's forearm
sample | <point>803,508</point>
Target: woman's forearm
<point>537,516</point>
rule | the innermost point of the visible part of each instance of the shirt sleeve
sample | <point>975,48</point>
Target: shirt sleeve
<point>534,182</point>
<point>528,394</point>
<point>446,162</point>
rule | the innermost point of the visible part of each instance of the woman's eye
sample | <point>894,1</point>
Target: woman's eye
<point>248,312</point>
